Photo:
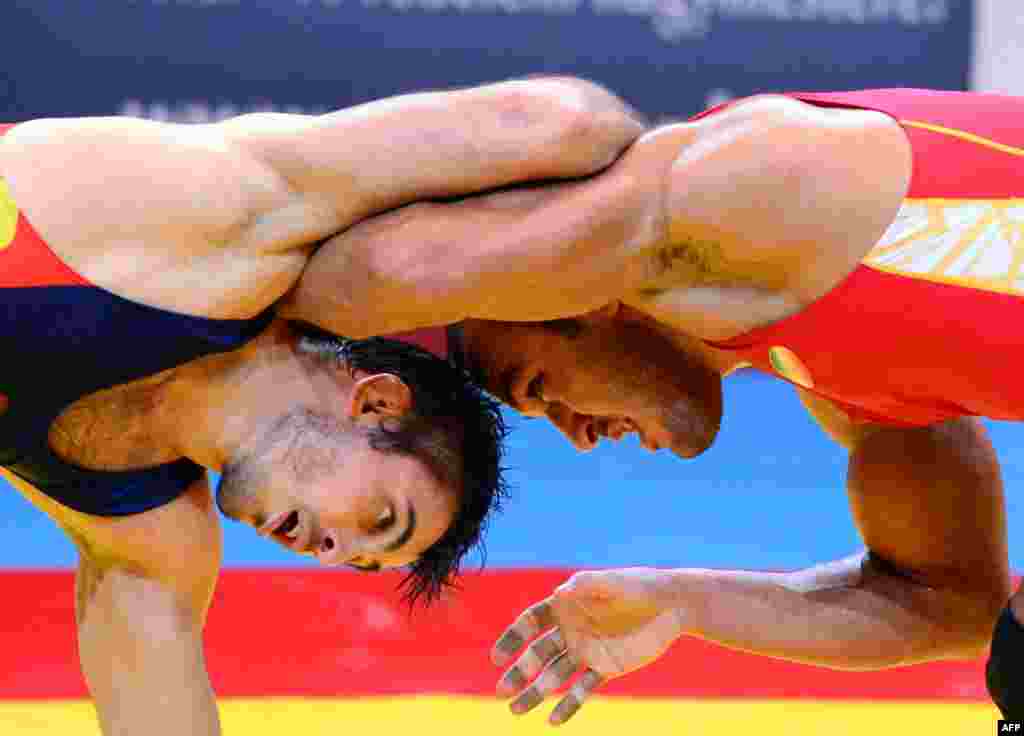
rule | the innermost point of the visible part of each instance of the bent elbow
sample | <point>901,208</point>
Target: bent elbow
<point>970,627</point>
<point>580,126</point>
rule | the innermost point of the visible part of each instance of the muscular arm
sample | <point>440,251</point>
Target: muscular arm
<point>929,504</point>
<point>159,211</point>
<point>711,227</point>
<point>377,156</point>
<point>143,588</point>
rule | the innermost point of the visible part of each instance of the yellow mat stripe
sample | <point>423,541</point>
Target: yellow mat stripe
<point>601,717</point>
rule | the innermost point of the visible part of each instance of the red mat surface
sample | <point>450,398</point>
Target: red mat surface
<point>313,632</point>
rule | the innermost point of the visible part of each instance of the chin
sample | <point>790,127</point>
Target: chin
<point>695,424</point>
<point>694,445</point>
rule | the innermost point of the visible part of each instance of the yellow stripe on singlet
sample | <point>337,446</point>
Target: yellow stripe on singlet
<point>964,136</point>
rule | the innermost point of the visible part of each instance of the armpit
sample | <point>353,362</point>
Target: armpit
<point>687,262</point>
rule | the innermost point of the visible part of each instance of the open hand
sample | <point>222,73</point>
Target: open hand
<point>601,624</point>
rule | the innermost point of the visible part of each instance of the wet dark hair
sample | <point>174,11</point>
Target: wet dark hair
<point>454,427</point>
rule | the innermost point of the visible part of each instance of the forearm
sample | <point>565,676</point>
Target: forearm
<point>377,156</point>
<point>845,615</point>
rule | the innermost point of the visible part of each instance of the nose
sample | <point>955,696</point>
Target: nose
<point>332,550</point>
<point>580,429</point>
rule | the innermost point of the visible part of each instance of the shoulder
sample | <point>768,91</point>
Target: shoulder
<point>179,542</point>
<point>780,111</point>
<point>836,423</point>
<point>795,194</point>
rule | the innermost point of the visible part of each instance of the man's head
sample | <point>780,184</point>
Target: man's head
<point>608,373</point>
<point>383,455</point>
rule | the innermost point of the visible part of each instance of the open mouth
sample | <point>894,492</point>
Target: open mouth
<point>289,525</point>
<point>283,525</point>
<point>615,428</point>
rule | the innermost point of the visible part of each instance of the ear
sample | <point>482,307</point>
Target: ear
<point>379,395</point>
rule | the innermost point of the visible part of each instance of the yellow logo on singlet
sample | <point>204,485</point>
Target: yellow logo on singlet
<point>975,243</point>
<point>788,365</point>
<point>8,216</point>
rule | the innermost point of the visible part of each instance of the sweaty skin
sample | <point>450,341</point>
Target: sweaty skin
<point>682,227</point>
<point>705,231</point>
<point>219,221</point>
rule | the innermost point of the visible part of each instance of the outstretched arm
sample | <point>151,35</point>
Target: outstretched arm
<point>929,505</point>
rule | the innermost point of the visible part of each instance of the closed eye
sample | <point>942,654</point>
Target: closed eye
<point>364,567</point>
<point>536,388</point>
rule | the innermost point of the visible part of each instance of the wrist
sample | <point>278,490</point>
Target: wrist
<point>679,592</point>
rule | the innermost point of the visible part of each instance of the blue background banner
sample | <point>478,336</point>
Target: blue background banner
<point>770,493</point>
<point>668,57</point>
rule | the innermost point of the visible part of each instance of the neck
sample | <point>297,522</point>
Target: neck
<point>722,362</point>
<point>216,402</point>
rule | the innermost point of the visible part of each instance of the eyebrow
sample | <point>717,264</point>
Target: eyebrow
<point>406,535</point>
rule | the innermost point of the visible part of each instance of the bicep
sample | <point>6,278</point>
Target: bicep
<point>93,182</point>
<point>929,502</point>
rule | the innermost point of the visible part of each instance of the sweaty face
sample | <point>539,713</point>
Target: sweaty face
<point>317,487</point>
<point>601,377</point>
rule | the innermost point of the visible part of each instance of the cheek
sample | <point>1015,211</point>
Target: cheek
<point>335,498</point>
<point>613,380</point>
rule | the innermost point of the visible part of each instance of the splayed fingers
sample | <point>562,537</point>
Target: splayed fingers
<point>539,655</point>
<point>531,622</point>
<point>582,689</point>
<point>545,666</point>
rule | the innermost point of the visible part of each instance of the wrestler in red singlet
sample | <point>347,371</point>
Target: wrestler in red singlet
<point>930,325</point>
